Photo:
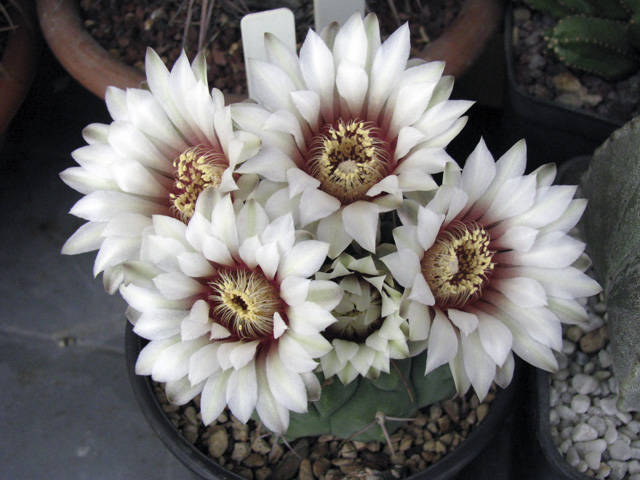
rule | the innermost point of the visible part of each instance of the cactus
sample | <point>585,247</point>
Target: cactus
<point>597,36</point>
<point>347,411</point>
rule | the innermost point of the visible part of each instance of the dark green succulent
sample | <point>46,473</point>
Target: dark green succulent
<point>597,36</point>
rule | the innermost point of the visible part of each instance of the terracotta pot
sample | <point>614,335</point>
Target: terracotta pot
<point>466,38</point>
<point>95,68</point>
<point>19,62</point>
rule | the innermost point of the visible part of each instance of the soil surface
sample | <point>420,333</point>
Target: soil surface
<point>541,75</point>
<point>127,28</point>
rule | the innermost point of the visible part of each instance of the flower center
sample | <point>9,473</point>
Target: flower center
<point>358,316</point>
<point>349,159</point>
<point>244,301</point>
<point>196,169</point>
<point>458,265</point>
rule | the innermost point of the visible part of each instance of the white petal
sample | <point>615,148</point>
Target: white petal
<point>404,266</point>
<point>176,286</point>
<point>203,363</point>
<point>303,260</point>
<point>299,181</point>
<point>308,318</point>
<point>420,291</point>
<point>352,82</point>
<point>315,205</point>
<point>294,290</point>
<point>361,222</point>
<point>419,321</point>
<point>389,62</point>
<point>150,352</point>
<point>478,172</point>
<point>173,362</point>
<point>429,223</point>
<point>268,259</point>
<point>87,238</point>
<point>467,322</point>
<point>279,326</point>
<point>553,250</point>
<point>443,342</point>
<point>195,265</point>
<point>143,299</point>
<point>316,64</point>
<point>331,230</point>
<point>243,353</point>
<point>242,392</point>
<point>286,386</point>
<point>274,415</point>
<point>197,323</point>
<point>524,292</point>
<point>216,251</point>
<point>213,398</point>
<point>101,206</point>
<point>516,238</point>
<point>159,324</point>
<point>180,392</point>
<point>324,293</point>
<point>345,350</point>
<point>496,338</point>
<point>271,163</point>
<point>479,366</point>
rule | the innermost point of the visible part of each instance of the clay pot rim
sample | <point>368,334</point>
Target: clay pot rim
<point>95,68</point>
<point>19,64</point>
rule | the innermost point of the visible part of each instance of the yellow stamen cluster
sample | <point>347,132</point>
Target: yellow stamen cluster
<point>458,265</point>
<point>349,159</point>
<point>196,169</point>
<point>245,301</point>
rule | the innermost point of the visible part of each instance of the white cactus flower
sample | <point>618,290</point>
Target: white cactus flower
<point>348,127</point>
<point>231,310</point>
<point>164,146</point>
<point>489,268</point>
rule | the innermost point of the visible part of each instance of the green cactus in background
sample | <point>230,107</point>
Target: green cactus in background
<point>597,36</point>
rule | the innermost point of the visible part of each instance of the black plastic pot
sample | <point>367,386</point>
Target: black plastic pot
<point>554,133</point>
<point>456,465</point>
<point>555,465</point>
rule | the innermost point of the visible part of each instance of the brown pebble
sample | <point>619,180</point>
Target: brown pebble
<point>254,460</point>
<point>305,472</point>
<point>263,473</point>
<point>240,451</point>
<point>290,463</point>
<point>482,411</point>
<point>218,441</point>
<point>320,466</point>
<point>594,341</point>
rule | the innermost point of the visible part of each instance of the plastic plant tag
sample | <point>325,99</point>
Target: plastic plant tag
<point>327,11</point>
<point>280,22</point>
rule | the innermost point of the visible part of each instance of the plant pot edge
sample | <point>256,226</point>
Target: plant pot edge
<point>202,465</point>
<point>20,60</point>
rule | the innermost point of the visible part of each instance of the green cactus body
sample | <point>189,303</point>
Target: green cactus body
<point>595,45</point>
<point>346,410</point>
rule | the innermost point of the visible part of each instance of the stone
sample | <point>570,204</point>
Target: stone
<point>583,433</point>
<point>584,384</point>
<point>565,412</point>
<point>593,460</point>
<point>566,82</point>
<point>572,457</point>
<point>618,469</point>
<point>569,100</point>
<point>580,403</point>
<point>574,333</point>
<point>240,451</point>
<point>218,441</point>
<point>595,340</point>
<point>611,435</point>
<point>306,471</point>
<point>620,450</point>
<point>633,467</point>
<point>598,445</point>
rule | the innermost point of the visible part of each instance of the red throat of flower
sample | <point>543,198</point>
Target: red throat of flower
<point>196,169</point>
<point>458,265</point>
<point>245,302</point>
<point>348,159</point>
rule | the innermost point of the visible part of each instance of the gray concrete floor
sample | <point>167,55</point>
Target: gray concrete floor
<point>67,410</point>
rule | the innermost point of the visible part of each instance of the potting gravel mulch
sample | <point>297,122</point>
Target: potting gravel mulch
<point>254,454</point>
<point>540,74</point>
<point>127,28</point>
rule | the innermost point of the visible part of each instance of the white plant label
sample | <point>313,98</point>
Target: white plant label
<point>280,22</point>
<point>327,11</point>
